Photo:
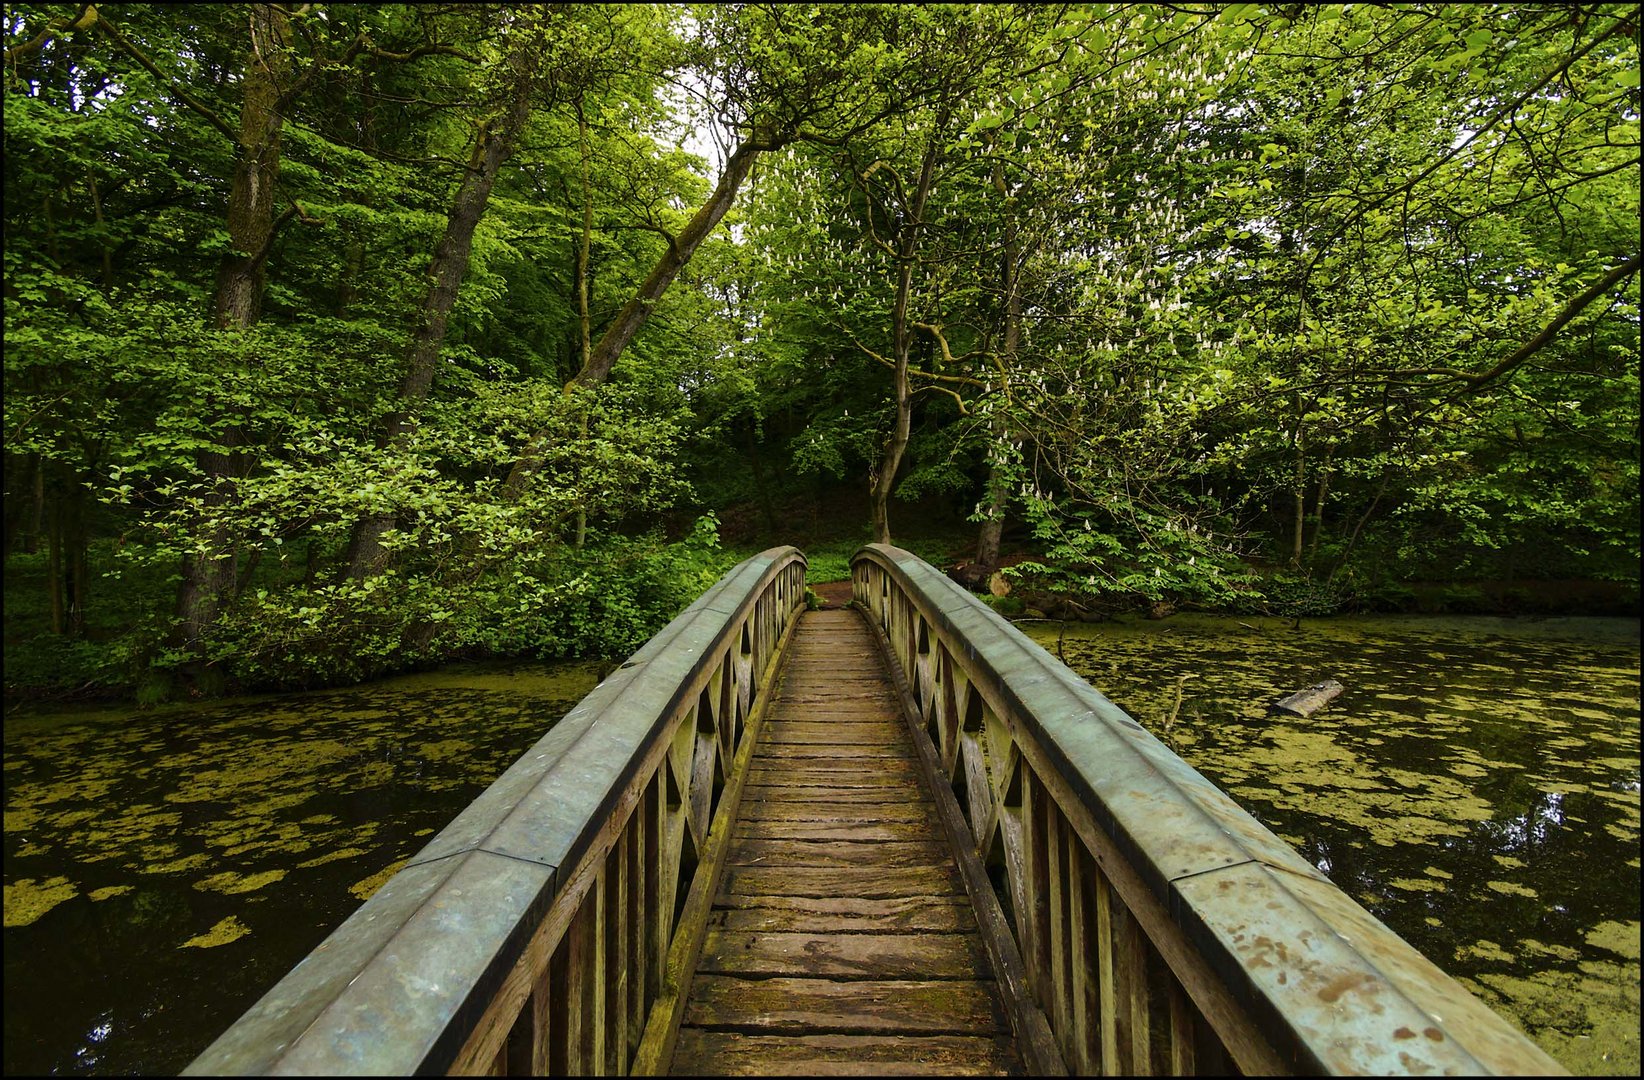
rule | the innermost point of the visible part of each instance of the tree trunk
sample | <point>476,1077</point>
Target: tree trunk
<point>240,275</point>
<point>20,473</point>
<point>102,235</point>
<point>584,322</point>
<point>585,247</point>
<point>884,477</point>
<point>348,276</point>
<point>445,273</point>
<point>208,576</point>
<point>993,525</point>
<point>762,492</point>
<point>54,566</point>
<point>76,574</point>
<point>597,368</point>
<point>1318,511</point>
<point>1358,527</point>
<point>1299,497</point>
<point>38,521</point>
<point>680,249</point>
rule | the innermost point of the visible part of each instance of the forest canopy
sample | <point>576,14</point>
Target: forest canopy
<point>341,338</point>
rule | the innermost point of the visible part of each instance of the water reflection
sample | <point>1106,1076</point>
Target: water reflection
<point>164,869</point>
<point>1476,787</point>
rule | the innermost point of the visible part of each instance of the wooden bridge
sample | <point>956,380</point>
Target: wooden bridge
<point>895,839</point>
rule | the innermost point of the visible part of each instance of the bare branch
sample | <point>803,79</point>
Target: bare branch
<point>1477,379</point>
<point>148,65</point>
<point>85,17</point>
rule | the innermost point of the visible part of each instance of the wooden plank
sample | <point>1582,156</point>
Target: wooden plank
<point>863,881</point>
<point>616,965</point>
<point>841,912</point>
<point>800,1006</point>
<point>807,853</point>
<point>1131,954</point>
<point>1059,1005</point>
<point>851,914</point>
<point>842,754</point>
<point>635,1005</point>
<point>858,831</point>
<point>1086,1058</point>
<point>732,1053</point>
<point>1182,1032</point>
<point>769,788</point>
<point>836,733</point>
<point>565,994</point>
<point>848,956</point>
<point>774,810</point>
<point>886,772</point>
<point>593,981</point>
<point>1113,1051</point>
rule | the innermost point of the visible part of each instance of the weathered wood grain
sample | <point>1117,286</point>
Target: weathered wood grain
<point>865,881</point>
<point>887,772</point>
<point>839,753</point>
<point>841,956</point>
<point>772,809</point>
<point>771,788</point>
<point>824,829</point>
<point>850,914</point>
<point>801,1006</point>
<point>835,733</point>
<point>829,853</point>
<point>732,1053</point>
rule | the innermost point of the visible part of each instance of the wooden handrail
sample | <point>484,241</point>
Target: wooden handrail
<point>1160,928</point>
<point>540,931</point>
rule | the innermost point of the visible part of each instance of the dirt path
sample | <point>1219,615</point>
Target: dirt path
<point>834,594</point>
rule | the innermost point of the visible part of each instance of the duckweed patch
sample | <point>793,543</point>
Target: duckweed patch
<point>27,900</point>
<point>137,843</point>
<point>1476,787</point>
<point>229,929</point>
<point>231,883</point>
<point>366,887</point>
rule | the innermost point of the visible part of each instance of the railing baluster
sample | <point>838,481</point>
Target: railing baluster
<point>616,965</point>
<point>594,980</point>
<point>635,969</point>
<point>656,917</point>
<point>1086,1038</point>
<point>1036,889</point>
<point>1061,978</point>
<point>1113,1050</point>
<point>1183,1032</point>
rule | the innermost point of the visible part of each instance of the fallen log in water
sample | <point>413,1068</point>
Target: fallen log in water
<point>1309,700</point>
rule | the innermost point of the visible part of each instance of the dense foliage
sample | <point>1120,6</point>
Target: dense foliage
<point>346,337</point>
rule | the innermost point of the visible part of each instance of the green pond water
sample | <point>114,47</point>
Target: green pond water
<point>163,869</point>
<point>1476,786</point>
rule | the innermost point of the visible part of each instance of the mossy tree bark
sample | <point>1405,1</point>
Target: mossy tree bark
<point>208,574</point>
<point>497,139</point>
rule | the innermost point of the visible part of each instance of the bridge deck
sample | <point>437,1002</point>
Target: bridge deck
<point>841,940</point>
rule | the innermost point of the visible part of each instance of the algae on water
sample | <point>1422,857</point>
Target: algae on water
<point>1476,787</point>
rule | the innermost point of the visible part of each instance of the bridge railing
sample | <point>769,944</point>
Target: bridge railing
<point>547,928</point>
<point>1158,927</point>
